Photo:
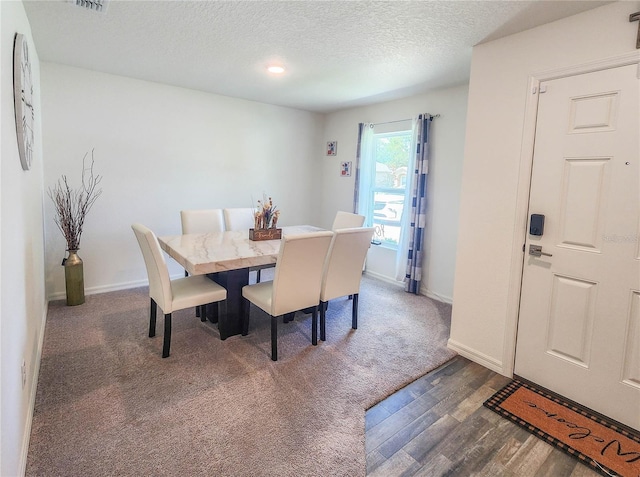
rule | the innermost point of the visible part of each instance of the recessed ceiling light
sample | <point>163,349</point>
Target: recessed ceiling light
<point>275,69</point>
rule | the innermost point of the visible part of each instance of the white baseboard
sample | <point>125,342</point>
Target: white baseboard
<point>22,465</point>
<point>143,283</point>
<point>476,356</point>
<point>436,297</point>
<point>104,289</point>
<point>384,278</point>
<point>427,293</point>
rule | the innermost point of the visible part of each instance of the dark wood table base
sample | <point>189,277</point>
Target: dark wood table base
<point>230,321</point>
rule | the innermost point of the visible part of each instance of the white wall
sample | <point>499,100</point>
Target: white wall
<point>443,187</point>
<point>161,149</point>
<point>494,182</point>
<point>21,256</point>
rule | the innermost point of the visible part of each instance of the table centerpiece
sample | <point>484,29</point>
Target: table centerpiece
<point>265,221</point>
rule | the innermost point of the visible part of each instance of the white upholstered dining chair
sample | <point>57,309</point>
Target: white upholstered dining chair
<point>343,270</point>
<point>347,220</point>
<point>243,219</point>
<point>202,221</point>
<point>295,286</point>
<point>172,295</point>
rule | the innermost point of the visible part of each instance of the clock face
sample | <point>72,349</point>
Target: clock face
<point>23,97</point>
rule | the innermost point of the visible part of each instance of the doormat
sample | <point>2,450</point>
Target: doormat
<point>606,446</point>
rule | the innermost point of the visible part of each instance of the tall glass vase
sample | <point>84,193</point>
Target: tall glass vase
<point>74,278</point>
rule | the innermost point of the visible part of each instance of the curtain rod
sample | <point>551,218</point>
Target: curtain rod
<point>403,120</point>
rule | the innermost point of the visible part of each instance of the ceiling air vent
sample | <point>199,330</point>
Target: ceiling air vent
<point>93,5</point>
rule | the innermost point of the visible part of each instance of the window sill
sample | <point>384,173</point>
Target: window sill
<point>386,246</point>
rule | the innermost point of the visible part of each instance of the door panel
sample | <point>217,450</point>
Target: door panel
<point>579,323</point>
<point>584,187</point>
<point>593,113</point>
<point>571,319</point>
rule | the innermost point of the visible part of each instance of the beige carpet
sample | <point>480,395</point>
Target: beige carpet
<point>108,404</point>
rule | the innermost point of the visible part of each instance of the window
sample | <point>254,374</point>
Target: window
<point>386,163</point>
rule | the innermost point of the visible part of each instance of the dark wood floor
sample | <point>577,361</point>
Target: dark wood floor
<point>437,426</point>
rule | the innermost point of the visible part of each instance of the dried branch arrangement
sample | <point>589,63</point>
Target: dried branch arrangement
<point>266,214</point>
<point>72,205</point>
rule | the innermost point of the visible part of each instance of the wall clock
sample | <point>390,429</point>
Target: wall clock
<point>23,99</point>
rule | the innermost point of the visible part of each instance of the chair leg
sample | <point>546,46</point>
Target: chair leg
<point>201,311</point>
<point>323,320</point>
<point>167,335</point>
<point>152,318</point>
<point>246,309</point>
<point>354,312</point>
<point>314,326</point>
<point>274,338</point>
<point>198,310</point>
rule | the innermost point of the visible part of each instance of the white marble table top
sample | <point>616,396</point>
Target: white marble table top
<point>222,251</point>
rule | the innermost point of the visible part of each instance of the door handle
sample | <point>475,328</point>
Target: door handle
<point>536,251</point>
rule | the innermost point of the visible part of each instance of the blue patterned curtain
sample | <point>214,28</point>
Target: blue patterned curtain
<point>413,276</point>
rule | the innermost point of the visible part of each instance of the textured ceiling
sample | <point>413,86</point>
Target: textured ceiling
<point>338,54</point>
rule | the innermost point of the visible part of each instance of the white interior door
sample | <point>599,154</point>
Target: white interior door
<point>579,323</point>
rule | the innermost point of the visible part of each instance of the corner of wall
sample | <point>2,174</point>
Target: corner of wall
<point>477,357</point>
<point>24,307</point>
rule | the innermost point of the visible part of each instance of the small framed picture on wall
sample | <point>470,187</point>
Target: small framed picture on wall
<point>345,169</point>
<point>332,148</point>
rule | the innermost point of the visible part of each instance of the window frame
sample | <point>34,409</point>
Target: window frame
<point>373,190</point>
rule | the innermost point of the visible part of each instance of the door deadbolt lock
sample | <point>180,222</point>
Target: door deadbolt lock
<point>536,251</point>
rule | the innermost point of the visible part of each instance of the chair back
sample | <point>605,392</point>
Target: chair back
<point>347,220</point>
<point>345,259</point>
<point>202,221</point>
<point>239,218</point>
<point>298,275</point>
<point>157,271</point>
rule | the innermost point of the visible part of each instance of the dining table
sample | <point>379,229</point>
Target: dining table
<point>226,257</point>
